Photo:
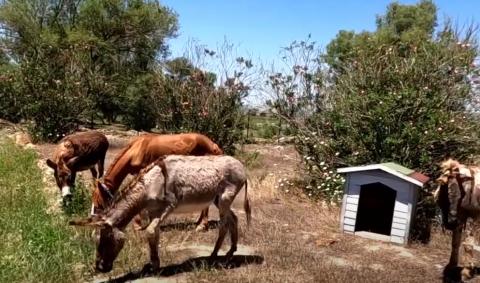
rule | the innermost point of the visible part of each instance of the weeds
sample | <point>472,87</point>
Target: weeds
<point>36,246</point>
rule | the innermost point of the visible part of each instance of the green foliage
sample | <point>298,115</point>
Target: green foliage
<point>401,23</point>
<point>10,103</point>
<point>80,58</point>
<point>420,18</point>
<point>397,94</point>
<point>36,246</point>
<point>139,104</point>
<point>195,104</point>
<point>81,201</point>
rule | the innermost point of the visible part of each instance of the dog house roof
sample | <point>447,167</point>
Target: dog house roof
<point>404,173</point>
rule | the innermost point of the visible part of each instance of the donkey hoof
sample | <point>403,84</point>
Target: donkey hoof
<point>151,268</point>
<point>201,228</point>
<point>229,254</point>
<point>467,273</point>
<point>213,257</point>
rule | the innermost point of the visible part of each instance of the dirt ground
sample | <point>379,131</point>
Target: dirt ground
<point>291,239</point>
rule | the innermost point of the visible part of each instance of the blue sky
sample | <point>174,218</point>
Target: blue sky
<point>261,28</point>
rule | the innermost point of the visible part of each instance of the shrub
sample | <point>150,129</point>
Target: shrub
<point>393,97</point>
<point>194,104</point>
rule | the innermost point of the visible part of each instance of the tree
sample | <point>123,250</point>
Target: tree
<point>398,94</point>
<point>400,23</point>
<point>80,57</point>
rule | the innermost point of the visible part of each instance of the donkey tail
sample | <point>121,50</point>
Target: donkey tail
<point>246,205</point>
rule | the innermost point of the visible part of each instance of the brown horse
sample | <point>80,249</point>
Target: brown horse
<point>142,151</point>
<point>78,152</point>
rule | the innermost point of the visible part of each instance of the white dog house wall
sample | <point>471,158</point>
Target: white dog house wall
<point>379,201</point>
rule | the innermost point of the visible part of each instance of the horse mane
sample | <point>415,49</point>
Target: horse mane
<point>120,155</point>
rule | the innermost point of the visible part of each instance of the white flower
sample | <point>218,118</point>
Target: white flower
<point>426,132</point>
<point>325,168</point>
<point>439,129</point>
<point>328,178</point>
<point>322,163</point>
<point>322,142</point>
<point>330,172</point>
<point>337,153</point>
<point>286,191</point>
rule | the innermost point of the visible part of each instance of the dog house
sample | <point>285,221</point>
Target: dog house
<point>379,201</point>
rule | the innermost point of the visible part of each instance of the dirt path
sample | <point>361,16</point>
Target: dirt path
<point>291,239</point>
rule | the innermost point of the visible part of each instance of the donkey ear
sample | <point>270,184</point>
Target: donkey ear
<point>51,164</point>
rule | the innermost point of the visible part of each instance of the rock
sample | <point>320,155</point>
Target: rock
<point>286,140</point>
<point>22,139</point>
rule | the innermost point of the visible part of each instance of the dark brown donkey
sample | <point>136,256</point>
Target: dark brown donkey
<point>142,151</point>
<point>78,152</point>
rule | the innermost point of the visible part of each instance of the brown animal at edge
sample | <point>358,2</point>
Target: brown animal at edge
<point>458,197</point>
<point>78,152</point>
<point>175,184</point>
<point>142,151</point>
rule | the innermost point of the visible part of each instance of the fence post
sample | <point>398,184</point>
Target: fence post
<point>248,124</point>
<point>279,129</point>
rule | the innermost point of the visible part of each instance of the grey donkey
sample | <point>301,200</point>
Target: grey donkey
<point>174,184</point>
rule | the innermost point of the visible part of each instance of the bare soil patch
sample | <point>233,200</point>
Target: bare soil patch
<point>291,238</point>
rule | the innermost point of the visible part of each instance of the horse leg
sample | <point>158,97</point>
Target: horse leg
<point>94,172</point>
<point>456,242</point>
<point>100,165</point>
<point>202,222</point>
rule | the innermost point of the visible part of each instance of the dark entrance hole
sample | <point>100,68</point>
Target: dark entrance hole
<point>375,209</point>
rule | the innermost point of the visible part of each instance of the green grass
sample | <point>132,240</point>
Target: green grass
<point>35,246</point>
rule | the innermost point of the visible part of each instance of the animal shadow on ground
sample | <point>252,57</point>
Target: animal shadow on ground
<point>460,274</point>
<point>189,265</point>
<point>189,225</point>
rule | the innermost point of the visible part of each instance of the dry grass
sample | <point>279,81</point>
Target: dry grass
<point>291,240</point>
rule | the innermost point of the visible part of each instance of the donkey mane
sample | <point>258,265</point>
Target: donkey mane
<point>450,164</point>
<point>137,179</point>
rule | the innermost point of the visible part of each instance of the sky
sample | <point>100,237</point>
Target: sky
<point>260,28</point>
